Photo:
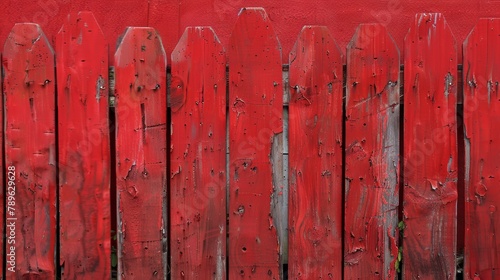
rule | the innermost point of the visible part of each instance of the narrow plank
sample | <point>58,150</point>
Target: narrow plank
<point>3,193</point>
<point>84,149</point>
<point>430,150</point>
<point>141,137</point>
<point>481,110</point>
<point>372,154</point>
<point>29,94</point>
<point>315,157</point>
<point>255,121</point>
<point>198,156</point>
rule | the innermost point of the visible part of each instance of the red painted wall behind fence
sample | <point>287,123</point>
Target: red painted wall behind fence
<point>170,17</point>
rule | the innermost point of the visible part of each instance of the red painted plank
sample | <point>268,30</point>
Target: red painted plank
<point>372,154</point>
<point>4,191</point>
<point>29,94</point>
<point>481,112</point>
<point>198,157</point>
<point>430,150</point>
<point>84,149</point>
<point>255,121</point>
<point>315,169</point>
<point>141,137</point>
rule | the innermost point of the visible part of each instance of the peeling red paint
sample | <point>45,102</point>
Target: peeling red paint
<point>82,72</point>
<point>430,150</point>
<point>198,157</point>
<point>372,154</point>
<point>29,94</point>
<point>315,157</point>
<point>254,76</point>
<point>482,166</point>
<point>141,144</point>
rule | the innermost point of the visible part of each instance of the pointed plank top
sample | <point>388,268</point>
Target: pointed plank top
<point>317,32</point>
<point>80,28</point>
<point>373,64</point>
<point>430,30</point>
<point>315,54</point>
<point>431,55</point>
<point>193,34</point>
<point>253,30</point>
<point>137,40</point>
<point>196,45</point>
<point>480,53</point>
<point>372,38</point>
<point>24,37</point>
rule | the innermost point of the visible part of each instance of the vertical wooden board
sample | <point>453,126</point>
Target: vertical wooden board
<point>141,137</point>
<point>84,149</point>
<point>4,191</point>
<point>430,150</point>
<point>198,157</point>
<point>255,127</point>
<point>481,112</point>
<point>315,157</point>
<point>29,94</point>
<point>372,155</point>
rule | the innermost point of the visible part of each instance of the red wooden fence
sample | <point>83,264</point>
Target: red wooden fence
<point>372,174</point>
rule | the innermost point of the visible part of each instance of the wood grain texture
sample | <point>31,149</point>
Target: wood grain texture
<point>481,112</point>
<point>372,154</point>
<point>198,157</point>
<point>255,121</point>
<point>315,157</point>
<point>30,146</point>
<point>141,138</point>
<point>84,149</point>
<point>430,149</point>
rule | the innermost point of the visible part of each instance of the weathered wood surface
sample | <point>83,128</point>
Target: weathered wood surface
<point>255,121</point>
<point>482,167</point>
<point>372,155</point>
<point>30,147</point>
<point>430,150</point>
<point>198,157</point>
<point>141,139</point>
<point>84,149</point>
<point>315,160</point>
